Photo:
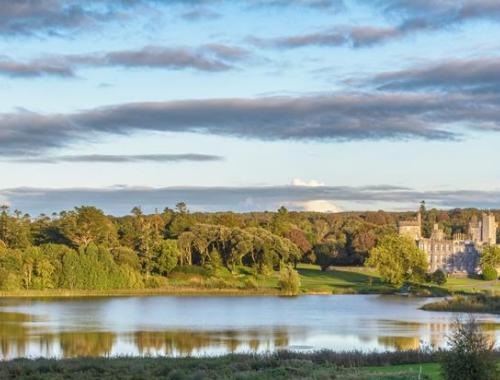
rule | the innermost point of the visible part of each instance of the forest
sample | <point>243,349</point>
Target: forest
<point>86,249</point>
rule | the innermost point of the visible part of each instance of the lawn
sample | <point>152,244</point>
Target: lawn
<point>471,285</point>
<point>338,280</point>
<point>431,370</point>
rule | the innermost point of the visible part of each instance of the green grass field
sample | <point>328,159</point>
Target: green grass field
<point>341,280</point>
<point>431,370</point>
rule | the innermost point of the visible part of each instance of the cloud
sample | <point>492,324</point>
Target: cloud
<point>56,17</point>
<point>26,17</point>
<point>11,68</point>
<point>209,57</point>
<point>199,14</point>
<point>411,16</point>
<point>317,206</point>
<point>339,36</point>
<point>120,200</point>
<point>310,183</point>
<point>319,4</point>
<point>108,158</point>
<point>329,117</point>
<point>481,74</point>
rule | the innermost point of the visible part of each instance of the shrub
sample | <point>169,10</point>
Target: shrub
<point>489,273</point>
<point>439,277</point>
<point>215,260</point>
<point>471,354</point>
<point>155,282</point>
<point>289,282</point>
<point>251,283</point>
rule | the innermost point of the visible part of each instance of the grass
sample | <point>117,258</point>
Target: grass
<point>431,370</point>
<point>280,365</point>
<point>341,280</point>
<point>245,281</point>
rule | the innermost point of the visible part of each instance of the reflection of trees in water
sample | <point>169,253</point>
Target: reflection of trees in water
<point>437,333</point>
<point>16,340</point>
<point>400,343</point>
<point>14,333</point>
<point>186,343</point>
<point>86,343</point>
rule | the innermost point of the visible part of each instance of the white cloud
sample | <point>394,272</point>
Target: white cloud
<point>318,205</point>
<point>310,183</point>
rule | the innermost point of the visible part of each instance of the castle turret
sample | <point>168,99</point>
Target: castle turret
<point>489,229</point>
<point>411,228</point>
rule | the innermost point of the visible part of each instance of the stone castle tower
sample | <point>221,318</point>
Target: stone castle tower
<point>489,229</point>
<point>411,228</point>
<point>459,254</point>
<point>483,231</point>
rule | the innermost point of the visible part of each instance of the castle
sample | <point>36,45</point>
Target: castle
<point>459,254</point>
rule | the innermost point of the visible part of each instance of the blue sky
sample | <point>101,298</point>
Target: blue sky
<point>241,105</point>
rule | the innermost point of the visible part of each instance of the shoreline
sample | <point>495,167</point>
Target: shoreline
<point>480,304</point>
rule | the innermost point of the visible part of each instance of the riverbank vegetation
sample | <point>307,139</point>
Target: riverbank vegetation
<point>84,251</point>
<point>280,365</point>
<point>402,365</point>
<point>477,303</point>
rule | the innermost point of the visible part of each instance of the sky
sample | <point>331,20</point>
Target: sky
<point>247,105</point>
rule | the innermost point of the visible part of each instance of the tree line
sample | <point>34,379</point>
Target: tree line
<point>86,249</point>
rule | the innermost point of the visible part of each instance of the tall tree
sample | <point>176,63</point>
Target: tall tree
<point>398,259</point>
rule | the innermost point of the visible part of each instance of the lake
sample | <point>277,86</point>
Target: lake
<point>181,326</point>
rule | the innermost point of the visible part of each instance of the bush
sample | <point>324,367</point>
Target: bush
<point>289,282</point>
<point>439,277</point>
<point>155,282</point>
<point>471,354</point>
<point>489,273</point>
<point>251,283</point>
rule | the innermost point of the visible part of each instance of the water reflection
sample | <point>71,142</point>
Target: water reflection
<point>177,326</point>
<point>19,342</point>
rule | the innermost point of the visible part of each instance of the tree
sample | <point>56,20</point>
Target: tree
<point>299,238</point>
<point>181,208</point>
<point>87,225</point>
<point>126,256</point>
<point>490,256</point>
<point>166,256</point>
<point>439,277</point>
<point>289,282</point>
<point>471,354</point>
<point>398,259</point>
<point>326,254</point>
<point>489,273</point>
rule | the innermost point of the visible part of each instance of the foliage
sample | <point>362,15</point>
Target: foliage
<point>471,354</point>
<point>398,259</point>
<point>58,251</point>
<point>289,282</point>
<point>166,256</point>
<point>280,365</point>
<point>439,277</point>
<point>478,303</point>
<point>490,256</point>
<point>489,273</point>
<point>326,254</point>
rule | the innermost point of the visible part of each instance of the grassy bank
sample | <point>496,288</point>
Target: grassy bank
<point>281,365</point>
<point>245,281</point>
<point>479,303</point>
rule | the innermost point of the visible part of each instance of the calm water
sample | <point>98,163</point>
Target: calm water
<point>215,325</point>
